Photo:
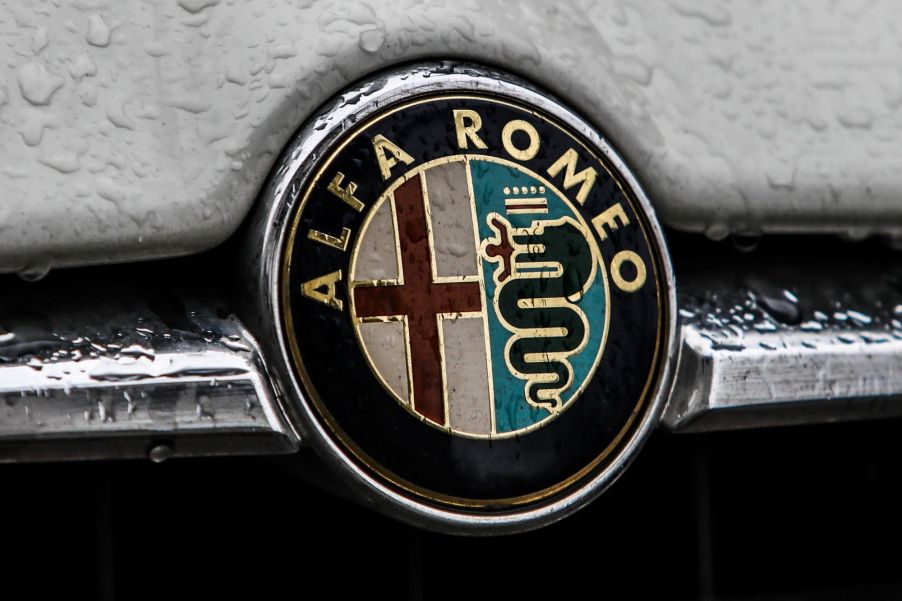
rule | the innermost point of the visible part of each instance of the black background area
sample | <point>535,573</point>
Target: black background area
<point>372,419</point>
<point>793,514</point>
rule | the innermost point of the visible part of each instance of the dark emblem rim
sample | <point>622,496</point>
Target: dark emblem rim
<point>451,508</point>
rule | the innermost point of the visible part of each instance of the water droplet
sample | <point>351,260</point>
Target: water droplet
<point>37,84</point>
<point>98,32</point>
<point>745,242</point>
<point>371,40</point>
<point>717,231</point>
<point>195,6</point>
<point>160,453</point>
<point>36,270</point>
<point>765,326</point>
<point>130,408</point>
<point>783,310</point>
<point>39,41</point>
<point>859,317</point>
<point>727,346</point>
<point>103,413</point>
<point>234,343</point>
<point>136,350</point>
<point>203,409</point>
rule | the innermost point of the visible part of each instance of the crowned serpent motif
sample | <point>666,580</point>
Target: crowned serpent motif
<point>541,272</point>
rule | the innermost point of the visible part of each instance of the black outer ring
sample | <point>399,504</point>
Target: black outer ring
<point>387,439</point>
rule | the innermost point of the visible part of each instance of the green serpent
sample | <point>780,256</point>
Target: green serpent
<point>552,267</point>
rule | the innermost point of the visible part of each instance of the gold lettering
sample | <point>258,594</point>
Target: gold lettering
<point>381,145</point>
<point>506,138</point>
<point>617,262</point>
<point>609,218</point>
<point>586,177</point>
<point>322,289</point>
<point>468,131</point>
<point>346,194</point>
<point>339,243</point>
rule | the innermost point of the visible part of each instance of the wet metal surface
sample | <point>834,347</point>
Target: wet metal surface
<point>800,331</point>
<point>105,363</point>
<point>99,363</point>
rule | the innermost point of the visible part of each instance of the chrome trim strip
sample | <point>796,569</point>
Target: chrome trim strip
<point>115,371</point>
<point>800,379</point>
<point>751,355</point>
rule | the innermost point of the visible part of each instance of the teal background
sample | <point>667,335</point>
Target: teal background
<point>512,411</point>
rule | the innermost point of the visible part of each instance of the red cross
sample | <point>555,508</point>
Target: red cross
<point>420,299</point>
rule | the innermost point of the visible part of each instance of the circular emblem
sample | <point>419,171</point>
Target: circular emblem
<point>473,297</point>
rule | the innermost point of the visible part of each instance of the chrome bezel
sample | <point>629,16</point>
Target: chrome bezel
<point>298,163</point>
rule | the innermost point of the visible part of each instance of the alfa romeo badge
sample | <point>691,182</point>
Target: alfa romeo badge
<point>473,298</point>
